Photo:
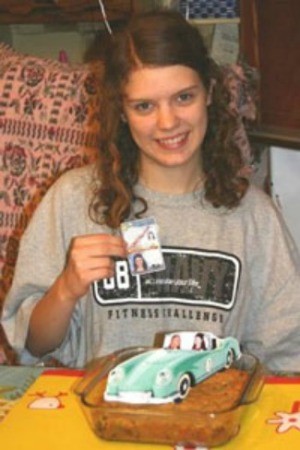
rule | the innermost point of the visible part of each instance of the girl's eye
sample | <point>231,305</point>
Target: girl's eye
<point>143,107</point>
<point>185,97</point>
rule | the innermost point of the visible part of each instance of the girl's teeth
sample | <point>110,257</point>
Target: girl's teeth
<point>172,141</point>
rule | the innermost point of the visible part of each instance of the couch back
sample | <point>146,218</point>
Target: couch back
<point>49,123</point>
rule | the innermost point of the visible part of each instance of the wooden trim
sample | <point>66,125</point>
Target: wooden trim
<point>62,11</point>
<point>269,41</point>
<point>282,137</point>
<point>214,21</point>
<point>249,32</point>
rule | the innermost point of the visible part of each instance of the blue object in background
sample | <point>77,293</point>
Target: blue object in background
<point>206,9</point>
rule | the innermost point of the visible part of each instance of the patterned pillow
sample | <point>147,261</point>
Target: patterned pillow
<point>49,123</point>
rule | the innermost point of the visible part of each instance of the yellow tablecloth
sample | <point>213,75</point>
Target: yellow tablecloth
<point>49,417</point>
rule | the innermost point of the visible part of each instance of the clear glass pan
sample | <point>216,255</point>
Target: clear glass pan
<point>201,420</point>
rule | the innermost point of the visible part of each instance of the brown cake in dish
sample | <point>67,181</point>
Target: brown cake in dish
<point>210,415</point>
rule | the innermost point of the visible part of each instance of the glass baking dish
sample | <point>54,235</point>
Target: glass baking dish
<point>209,416</point>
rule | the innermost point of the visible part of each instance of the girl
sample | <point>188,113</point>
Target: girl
<point>167,152</point>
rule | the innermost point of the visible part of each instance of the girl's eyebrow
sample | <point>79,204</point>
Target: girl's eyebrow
<point>188,88</point>
<point>145,99</point>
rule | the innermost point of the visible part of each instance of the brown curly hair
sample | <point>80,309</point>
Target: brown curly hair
<point>161,38</point>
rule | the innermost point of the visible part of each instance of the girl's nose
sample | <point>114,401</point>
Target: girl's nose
<point>167,117</point>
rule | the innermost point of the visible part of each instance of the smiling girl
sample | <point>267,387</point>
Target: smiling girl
<point>167,151</point>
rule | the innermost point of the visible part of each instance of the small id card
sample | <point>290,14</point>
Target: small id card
<point>143,246</point>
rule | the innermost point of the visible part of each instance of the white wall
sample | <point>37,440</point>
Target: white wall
<point>285,186</point>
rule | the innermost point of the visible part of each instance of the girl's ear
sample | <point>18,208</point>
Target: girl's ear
<point>210,92</point>
<point>123,118</point>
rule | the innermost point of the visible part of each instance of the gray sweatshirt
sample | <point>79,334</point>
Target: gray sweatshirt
<point>234,273</point>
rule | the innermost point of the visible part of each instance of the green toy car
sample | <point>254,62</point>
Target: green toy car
<point>166,374</point>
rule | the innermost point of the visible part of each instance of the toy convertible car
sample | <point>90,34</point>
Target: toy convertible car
<point>166,374</point>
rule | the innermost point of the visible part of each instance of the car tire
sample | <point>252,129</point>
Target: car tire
<point>184,386</point>
<point>229,358</point>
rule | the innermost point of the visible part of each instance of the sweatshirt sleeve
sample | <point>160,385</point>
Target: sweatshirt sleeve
<point>41,258</point>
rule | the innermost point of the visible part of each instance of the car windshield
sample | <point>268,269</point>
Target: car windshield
<point>203,341</point>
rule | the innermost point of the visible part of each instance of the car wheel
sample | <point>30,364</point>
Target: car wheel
<point>229,358</point>
<point>184,386</point>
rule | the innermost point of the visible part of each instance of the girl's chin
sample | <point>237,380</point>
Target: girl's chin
<point>174,161</point>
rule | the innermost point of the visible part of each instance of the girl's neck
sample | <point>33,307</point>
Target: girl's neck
<point>172,181</point>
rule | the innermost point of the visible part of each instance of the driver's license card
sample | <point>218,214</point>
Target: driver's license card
<point>143,246</point>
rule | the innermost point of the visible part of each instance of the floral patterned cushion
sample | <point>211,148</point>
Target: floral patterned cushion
<point>49,123</point>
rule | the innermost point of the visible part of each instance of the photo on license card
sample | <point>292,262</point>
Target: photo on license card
<point>143,246</point>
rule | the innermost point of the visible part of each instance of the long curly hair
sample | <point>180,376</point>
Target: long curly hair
<point>161,38</point>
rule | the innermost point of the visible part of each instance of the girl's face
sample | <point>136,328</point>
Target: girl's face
<point>198,342</point>
<point>139,263</point>
<point>175,342</point>
<point>166,110</point>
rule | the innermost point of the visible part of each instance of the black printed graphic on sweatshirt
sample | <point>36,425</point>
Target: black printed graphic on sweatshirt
<point>191,277</point>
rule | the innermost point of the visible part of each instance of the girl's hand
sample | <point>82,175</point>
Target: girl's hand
<point>90,258</point>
